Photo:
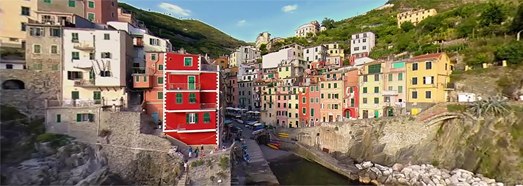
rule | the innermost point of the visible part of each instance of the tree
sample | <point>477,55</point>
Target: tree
<point>327,23</point>
<point>492,15</point>
<point>407,26</point>
<point>263,49</point>
<point>512,52</point>
<point>517,23</point>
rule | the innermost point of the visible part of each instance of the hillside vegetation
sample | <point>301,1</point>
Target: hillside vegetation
<point>192,35</point>
<point>481,30</point>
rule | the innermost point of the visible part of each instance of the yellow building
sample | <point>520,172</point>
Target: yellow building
<point>371,100</point>
<point>333,49</point>
<point>331,95</point>
<point>415,16</point>
<point>15,15</point>
<point>292,105</point>
<point>268,105</point>
<point>427,79</point>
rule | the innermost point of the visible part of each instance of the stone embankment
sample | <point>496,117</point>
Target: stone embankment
<point>424,174</point>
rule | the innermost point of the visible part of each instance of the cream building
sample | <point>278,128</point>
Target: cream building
<point>371,83</point>
<point>331,95</point>
<point>415,16</point>
<point>96,65</point>
<point>333,49</point>
<point>394,88</point>
<point>303,31</point>
<point>244,54</point>
<point>15,14</point>
<point>263,38</point>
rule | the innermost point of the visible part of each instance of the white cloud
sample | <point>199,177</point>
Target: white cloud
<point>241,22</point>
<point>175,9</point>
<point>289,8</point>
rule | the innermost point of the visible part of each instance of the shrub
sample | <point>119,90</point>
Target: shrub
<point>10,113</point>
<point>221,175</point>
<point>224,162</point>
<point>212,178</point>
<point>56,140</point>
<point>492,106</point>
<point>456,108</point>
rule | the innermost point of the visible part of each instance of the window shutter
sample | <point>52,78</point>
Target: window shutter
<point>78,117</point>
<point>196,117</point>
<point>187,117</point>
<point>91,117</point>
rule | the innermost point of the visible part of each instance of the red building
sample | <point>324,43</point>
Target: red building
<point>191,100</point>
<point>351,97</point>
<point>303,106</point>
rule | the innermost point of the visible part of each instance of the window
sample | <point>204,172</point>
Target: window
<point>84,117</point>
<point>179,98</point>
<point>192,98</point>
<point>73,75</point>
<point>37,66</point>
<point>107,36</point>
<point>91,55</point>
<point>414,81</point>
<point>390,77</point>
<point>322,85</point>
<point>389,88</point>
<point>329,96</point>
<point>105,73</point>
<point>192,118</point>
<point>414,66</point>
<point>364,47</point>
<point>106,55</point>
<point>160,67</point>
<point>26,11</point>
<point>364,100</point>
<point>374,69</point>
<point>376,77</point>
<point>364,78</point>
<point>400,89</point>
<point>206,117</point>
<point>36,31</point>
<point>304,110</point>
<point>72,3</point>
<point>304,100</point>
<point>428,65</point>
<point>329,85</point>
<point>153,57</point>
<point>8,66</point>
<point>376,89</point>
<point>376,100</point>
<point>428,80</point>
<point>47,1</point>
<point>352,102</point>
<point>335,85</point>
<point>153,41</point>
<point>54,49</point>
<point>91,4</point>
<point>90,16</point>
<point>414,94</point>
<point>23,26</point>
<point>37,49</point>
<point>187,61</point>
<point>159,95</point>
<point>58,118</point>
<point>400,76</point>
<point>428,94</point>
<point>364,90</point>
<point>159,80</point>
<point>74,37</point>
<point>54,32</point>
<point>322,96</point>
<point>75,55</point>
<point>312,112</point>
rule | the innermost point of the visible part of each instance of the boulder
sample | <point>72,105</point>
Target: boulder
<point>367,164</point>
<point>365,179</point>
<point>381,167</point>
<point>402,181</point>
<point>387,172</point>
<point>397,167</point>
<point>358,166</point>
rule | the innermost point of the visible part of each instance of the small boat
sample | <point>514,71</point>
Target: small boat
<point>273,146</point>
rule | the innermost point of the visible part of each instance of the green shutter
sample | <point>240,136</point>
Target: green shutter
<point>160,95</point>
<point>72,3</point>
<point>206,117</point>
<point>179,98</point>
<point>75,95</point>
<point>144,78</point>
<point>91,117</point>
<point>398,65</point>
<point>312,112</point>
<point>195,117</point>
<point>187,117</point>
<point>400,76</point>
<point>187,61</point>
<point>58,118</point>
<point>160,80</point>
<point>91,4</point>
<point>78,117</point>
<point>47,1</point>
<point>400,89</point>
<point>160,67</point>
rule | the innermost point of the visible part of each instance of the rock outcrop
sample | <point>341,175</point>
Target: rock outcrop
<point>424,174</point>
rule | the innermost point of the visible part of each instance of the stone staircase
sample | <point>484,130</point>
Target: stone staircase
<point>183,179</point>
<point>429,113</point>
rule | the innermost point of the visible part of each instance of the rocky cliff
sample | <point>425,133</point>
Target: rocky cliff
<point>492,146</point>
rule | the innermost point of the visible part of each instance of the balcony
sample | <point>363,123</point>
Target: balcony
<point>78,103</point>
<point>142,81</point>
<point>183,86</point>
<point>82,64</point>
<point>390,93</point>
<point>138,70</point>
<point>84,83</point>
<point>84,45</point>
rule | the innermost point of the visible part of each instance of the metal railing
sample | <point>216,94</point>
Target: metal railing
<point>84,83</point>
<point>183,86</point>
<point>83,103</point>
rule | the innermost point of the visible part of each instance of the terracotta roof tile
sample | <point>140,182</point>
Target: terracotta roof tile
<point>425,57</point>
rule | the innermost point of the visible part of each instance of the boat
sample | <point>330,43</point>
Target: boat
<point>273,146</point>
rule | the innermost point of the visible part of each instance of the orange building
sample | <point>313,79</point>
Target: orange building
<point>150,80</point>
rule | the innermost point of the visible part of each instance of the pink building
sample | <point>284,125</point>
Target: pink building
<point>281,107</point>
<point>314,102</point>
<point>101,11</point>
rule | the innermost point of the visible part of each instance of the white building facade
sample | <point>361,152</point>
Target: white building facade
<point>244,54</point>
<point>362,44</point>
<point>305,30</point>
<point>289,52</point>
<point>96,65</point>
<point>313,54</point>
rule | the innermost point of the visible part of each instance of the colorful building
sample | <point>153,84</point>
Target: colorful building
<point>309,29</point>
<point>351,94</point>
<point>394,87</point>
<point>15,16</point>
<point>414,16</point>
<point>191,99</point>
<point>292,107</point>
<point>370,84</point>
<point>331,89</point>
<point>362,44</point>
<point>427,80</point>
<point>314,109</point>
<point>282,107</point>
<point>150,82</point>
<point>303,106</point>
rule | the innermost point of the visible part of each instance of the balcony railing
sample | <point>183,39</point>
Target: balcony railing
<point>138,70</point>
<point>84,83</point>
<point>390,93</point>
<point>83,103</point>
<point>183,86</point>
<point>80,63</point>
<point>84,45</point>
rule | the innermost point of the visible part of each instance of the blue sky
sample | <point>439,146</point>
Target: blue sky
<point>244,19</point>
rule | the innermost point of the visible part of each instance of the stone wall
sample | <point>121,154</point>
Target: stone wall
<point>141,158</point>
<point>38,87</point>
<point>480,145</point>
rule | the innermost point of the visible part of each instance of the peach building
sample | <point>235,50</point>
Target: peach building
<point>150,82</point>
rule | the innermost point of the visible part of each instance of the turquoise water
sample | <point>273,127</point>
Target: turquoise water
<point>298,171</point>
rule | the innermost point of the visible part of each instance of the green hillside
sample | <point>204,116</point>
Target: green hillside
<point>480,30</point>
<point>192,35</point>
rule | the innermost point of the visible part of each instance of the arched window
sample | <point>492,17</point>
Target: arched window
<point>13,84</point>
